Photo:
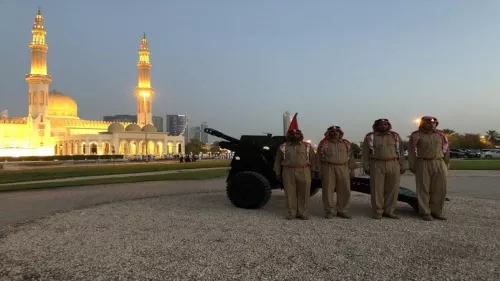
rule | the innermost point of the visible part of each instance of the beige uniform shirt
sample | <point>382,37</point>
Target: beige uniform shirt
<point>295,156</point>
<point>336,153</point>
<point>430,146</point>
<point>384,148</point>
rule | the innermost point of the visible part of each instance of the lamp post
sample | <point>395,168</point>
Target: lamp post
<point>417,121</point>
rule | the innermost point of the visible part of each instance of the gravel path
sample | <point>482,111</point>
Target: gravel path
<point>203,237</point>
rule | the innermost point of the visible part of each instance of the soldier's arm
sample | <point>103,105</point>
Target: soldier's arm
<point>412,156</point>
<point>447,158</point>
<point>365,155</point>
<point>352,162</point>
<point>401,153</point>
<point>312,159</point>
<point>277,162</point>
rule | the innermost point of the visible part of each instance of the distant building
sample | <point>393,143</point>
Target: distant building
<point>176,124</point>
<point>195,133</point>
<point>121,118</point>
<point>204,136</point>
<point>158,123</point>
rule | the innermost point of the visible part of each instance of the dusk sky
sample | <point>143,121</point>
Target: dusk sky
<point>238,65</point>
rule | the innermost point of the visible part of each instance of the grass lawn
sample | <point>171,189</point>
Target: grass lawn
<point>475,165</point>
<point>70,172</point>
<point>185,175</point>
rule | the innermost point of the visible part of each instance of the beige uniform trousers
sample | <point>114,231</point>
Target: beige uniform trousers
<point>335,178</point>
<point>297,185</point>
<point>431,180</point>
<point>385,179</point>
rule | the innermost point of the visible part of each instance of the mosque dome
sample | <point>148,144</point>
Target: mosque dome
<point>133,128</point>
<point>149,128</point>
<point>116,128</point>
<point>61,105</point>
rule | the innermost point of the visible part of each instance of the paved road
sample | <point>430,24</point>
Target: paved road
<point>23,205</point>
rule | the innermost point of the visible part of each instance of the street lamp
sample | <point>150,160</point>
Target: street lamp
<point>417,121</point>
<point>144,95</point>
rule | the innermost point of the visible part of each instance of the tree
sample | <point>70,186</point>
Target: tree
<point>356,150</point>
<point>194,146</point>
<point>492,135</point>
<point>214,148</point>
<point>449,132</point>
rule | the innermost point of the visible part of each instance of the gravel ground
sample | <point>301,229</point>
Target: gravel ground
<point>203,237</point>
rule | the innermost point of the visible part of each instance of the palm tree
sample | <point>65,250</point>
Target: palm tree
<point>449,132</point>
<point>492,135</point>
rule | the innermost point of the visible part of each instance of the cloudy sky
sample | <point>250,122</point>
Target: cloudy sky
<point>238,65</point>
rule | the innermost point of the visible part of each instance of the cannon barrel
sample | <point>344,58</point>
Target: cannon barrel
<point>218,134</point>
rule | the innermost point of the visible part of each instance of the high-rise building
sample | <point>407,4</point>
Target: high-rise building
<point>176,124</point>
<point>287,119</point>
<point>203,135</point>
<point>158,123</point>
<point>195,133</point>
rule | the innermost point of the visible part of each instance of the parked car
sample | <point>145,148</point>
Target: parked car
<point>472,153</point>
<point>456,153</point>
<point>492,154</point>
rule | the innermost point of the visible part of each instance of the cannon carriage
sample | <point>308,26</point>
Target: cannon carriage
<point>251,178</point>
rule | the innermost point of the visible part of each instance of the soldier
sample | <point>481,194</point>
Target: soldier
<point>383,159</point>
<point>335,167</point>
<point>293,166</point>
<point>428,158</point>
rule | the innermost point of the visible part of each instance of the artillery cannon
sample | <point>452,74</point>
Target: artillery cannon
<point>251,178</point>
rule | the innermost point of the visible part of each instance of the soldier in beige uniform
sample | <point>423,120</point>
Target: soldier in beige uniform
<point>428,158</point>
<point>294,165</point>
<point>335,167</point>
<point>383,160</point>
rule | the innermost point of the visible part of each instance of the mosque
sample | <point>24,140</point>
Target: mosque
<point>53,127</point>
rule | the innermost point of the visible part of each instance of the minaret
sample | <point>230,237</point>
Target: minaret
<point>144,92</point>
<point>38,79</point>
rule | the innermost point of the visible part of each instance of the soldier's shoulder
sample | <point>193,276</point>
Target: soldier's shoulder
<point>346,141</point>
<point>395,133</point>
<point>414,132</point>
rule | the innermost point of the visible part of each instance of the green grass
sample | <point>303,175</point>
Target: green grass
<point>475,165</point>
<point>85,171</point>
<point>185,175</point>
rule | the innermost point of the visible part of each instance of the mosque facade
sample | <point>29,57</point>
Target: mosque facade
<point>53,127</point>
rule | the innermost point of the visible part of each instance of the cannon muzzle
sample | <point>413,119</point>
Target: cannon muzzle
<point>223,136</point>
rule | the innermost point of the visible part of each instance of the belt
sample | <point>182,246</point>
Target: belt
<point>385,159</point>
<point>429,158</point>
<point>298,167</point>
<point>336,163</point>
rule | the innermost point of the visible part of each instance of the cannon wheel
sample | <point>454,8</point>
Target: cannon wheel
<point>248,190</point>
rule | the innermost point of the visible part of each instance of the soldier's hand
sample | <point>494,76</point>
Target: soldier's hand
<point>402,171</point>
<point>278,177</point>
<point>367,171</point>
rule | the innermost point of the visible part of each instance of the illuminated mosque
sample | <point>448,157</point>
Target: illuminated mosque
<point>53,127</point>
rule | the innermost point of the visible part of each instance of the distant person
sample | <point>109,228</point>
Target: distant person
<point>383,159</point>
<point>428,158</point>
<point>336,165</point>
<point>293,166</point>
